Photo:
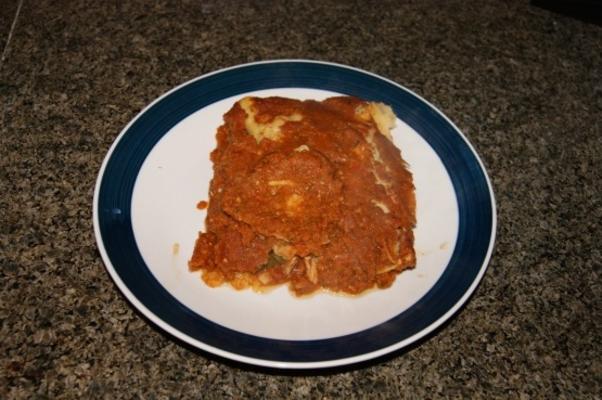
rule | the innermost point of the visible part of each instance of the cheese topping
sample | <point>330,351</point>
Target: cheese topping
<point>282,182</point>
<point>384,118</point>
<point>303,147</point>
<point>381,114</point>
<point>270,130</point>
<point>381,205</point>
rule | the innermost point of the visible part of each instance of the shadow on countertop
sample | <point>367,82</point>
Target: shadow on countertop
<point>584,10</point>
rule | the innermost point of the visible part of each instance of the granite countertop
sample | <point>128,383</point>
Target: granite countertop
<point>522,83</point>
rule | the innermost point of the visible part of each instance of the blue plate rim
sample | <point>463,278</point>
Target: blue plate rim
<point>286,364</point>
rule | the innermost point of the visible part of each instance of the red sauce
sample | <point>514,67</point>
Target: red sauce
<point>329,204</point>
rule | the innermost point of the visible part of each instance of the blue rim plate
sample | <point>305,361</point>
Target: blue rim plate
<point>122,256</point>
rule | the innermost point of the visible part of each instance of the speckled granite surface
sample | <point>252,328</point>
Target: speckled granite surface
<point>522,83</point>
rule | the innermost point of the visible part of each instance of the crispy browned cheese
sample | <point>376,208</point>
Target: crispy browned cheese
<point>313,194</point>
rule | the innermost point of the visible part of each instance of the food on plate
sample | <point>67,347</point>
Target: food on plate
<point>313,194</point>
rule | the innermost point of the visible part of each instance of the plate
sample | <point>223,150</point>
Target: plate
<point>158,169</point>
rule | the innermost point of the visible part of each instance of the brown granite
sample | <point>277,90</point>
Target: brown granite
<point>8,12</point>
<point>522,83</point>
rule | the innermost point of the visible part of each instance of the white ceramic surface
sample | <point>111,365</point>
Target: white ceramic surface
<point>176,175</point>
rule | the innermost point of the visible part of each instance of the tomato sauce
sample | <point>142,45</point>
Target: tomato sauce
<point>307,193</point>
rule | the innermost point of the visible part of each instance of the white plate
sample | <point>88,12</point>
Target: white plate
<point>158,169</point>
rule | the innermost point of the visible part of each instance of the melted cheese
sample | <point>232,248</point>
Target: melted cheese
<point>374,148</point>
<point>282,182</point>
<point>381,114</point>
<point>383,117</point>
<point>381,205</point>
<point>270,130</point>
<point>387,268</point>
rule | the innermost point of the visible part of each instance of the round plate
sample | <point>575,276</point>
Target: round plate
<point>146,222</point>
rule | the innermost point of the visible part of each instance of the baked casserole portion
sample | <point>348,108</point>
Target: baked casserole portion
<point>312,194</point>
